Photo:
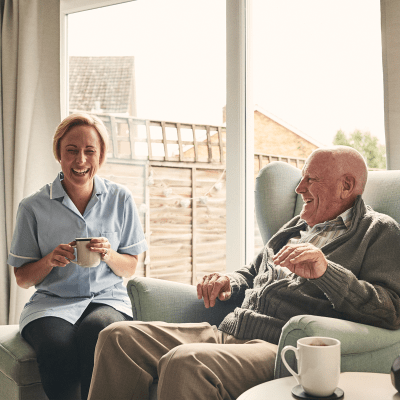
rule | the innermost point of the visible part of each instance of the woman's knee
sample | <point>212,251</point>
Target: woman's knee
<point>54,341</point>
<point>91,326</point>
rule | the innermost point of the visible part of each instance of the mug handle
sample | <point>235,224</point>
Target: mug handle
<point>75,262</point>
<point>296,352</point>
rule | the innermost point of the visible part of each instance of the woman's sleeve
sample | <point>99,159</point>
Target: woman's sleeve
<point>24,246</point>
<point>132,237</point>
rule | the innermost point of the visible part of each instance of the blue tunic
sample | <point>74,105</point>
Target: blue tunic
<point>49,218</point>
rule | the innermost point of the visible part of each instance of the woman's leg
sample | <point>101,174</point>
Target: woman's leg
<point>53,340</point>
<point>95,318</point>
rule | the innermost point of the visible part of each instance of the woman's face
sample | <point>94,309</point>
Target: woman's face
<point>80,151</point>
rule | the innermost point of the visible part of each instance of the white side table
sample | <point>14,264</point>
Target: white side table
<point>356,386</point>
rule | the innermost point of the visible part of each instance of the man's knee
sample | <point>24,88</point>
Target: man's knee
<point>122,333</point>
<point>184,358</point>
<point>185,369</point>
<point>114,331</point>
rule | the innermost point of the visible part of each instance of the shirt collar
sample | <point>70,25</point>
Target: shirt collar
<point>57,191</point>
<point>344,218</point>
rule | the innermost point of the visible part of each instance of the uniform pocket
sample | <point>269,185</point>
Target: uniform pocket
<point>113,238</point>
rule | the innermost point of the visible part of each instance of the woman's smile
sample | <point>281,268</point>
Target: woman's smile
<point>80,158</point>
<point>80,172</point>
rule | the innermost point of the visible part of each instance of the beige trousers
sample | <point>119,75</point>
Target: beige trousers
<point>191,361</point>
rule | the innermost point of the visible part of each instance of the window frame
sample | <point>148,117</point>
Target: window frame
<point>239,121</point>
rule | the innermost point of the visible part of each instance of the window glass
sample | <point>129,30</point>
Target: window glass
<point>317,79</point>
<point>155,72</point>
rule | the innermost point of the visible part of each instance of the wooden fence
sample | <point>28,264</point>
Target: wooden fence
<point>138,139</point>
<point>176,173</point>
<point>183,215</point>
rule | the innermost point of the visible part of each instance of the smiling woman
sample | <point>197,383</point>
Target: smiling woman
<point>80,151</point>
<point>72,303</point>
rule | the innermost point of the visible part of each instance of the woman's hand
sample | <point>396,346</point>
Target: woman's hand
<point>123,265</point>
<point>30,274</point>
<point>61,255</point>
<point>101,245</point>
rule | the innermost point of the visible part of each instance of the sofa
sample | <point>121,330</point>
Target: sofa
<point>364,348</point>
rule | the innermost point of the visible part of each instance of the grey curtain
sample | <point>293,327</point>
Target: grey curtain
<point>390,21</point>
<point>29,114</point>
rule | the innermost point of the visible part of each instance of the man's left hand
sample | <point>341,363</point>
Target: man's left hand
<point>303,259</point>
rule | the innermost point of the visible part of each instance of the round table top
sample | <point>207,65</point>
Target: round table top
<point>356,386</point>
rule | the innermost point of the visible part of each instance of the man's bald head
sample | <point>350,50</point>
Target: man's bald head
<point>332,179</point>
<point>345,160</point>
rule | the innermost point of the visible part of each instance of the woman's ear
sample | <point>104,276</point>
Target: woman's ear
<point>348,185</point>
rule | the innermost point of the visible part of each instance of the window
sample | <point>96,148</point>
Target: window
<point>317,69</point>
<point>157,77</point>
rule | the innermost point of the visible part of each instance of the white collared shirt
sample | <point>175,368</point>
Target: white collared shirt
<point>49,218</point>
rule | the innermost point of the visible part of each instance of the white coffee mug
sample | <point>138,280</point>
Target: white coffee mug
<point>85,257</point>
<point>318,364</point>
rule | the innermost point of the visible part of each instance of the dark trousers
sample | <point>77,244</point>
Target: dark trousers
<point>65,352</point>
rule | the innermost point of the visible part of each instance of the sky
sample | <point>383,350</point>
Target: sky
<point>317,64</point>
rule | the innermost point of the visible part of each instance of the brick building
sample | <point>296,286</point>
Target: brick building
<point>276,137</point>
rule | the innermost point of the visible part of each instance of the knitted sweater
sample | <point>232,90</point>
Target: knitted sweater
<point>361,283</point>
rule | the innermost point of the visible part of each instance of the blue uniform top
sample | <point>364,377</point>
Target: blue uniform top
<point>49,218</point>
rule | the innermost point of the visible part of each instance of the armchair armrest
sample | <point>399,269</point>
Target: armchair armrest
<point>364,348</point>
<point>160,300</point>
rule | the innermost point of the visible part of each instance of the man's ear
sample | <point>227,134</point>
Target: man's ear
<point>348,185</point>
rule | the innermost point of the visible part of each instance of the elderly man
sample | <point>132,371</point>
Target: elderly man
<point>338,259</point>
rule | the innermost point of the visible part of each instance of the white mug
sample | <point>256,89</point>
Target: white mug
<point>85,257</point>
<point>318,364</point>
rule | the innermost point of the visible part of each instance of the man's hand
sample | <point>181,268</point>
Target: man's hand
<point>213,286</point>
<point>303,259</point>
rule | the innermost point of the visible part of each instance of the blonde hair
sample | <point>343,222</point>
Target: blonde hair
<point>78,119</point>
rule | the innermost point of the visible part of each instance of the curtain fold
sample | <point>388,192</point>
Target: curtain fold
<point>390,23</point>
<point>4,270</point>
<point>30,112</point>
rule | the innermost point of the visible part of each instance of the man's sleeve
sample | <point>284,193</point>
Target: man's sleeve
<point>244,278</point>
<point>374,297</point>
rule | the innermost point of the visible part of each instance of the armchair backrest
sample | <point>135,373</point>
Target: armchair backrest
<point>276,201</point>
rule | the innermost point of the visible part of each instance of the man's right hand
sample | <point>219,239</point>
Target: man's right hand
<point>214,285</point>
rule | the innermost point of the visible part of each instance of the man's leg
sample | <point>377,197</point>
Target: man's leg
<point>127,356</point>
<point>215,371</point>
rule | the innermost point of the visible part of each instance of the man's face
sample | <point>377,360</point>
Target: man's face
<point>320,189</point>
